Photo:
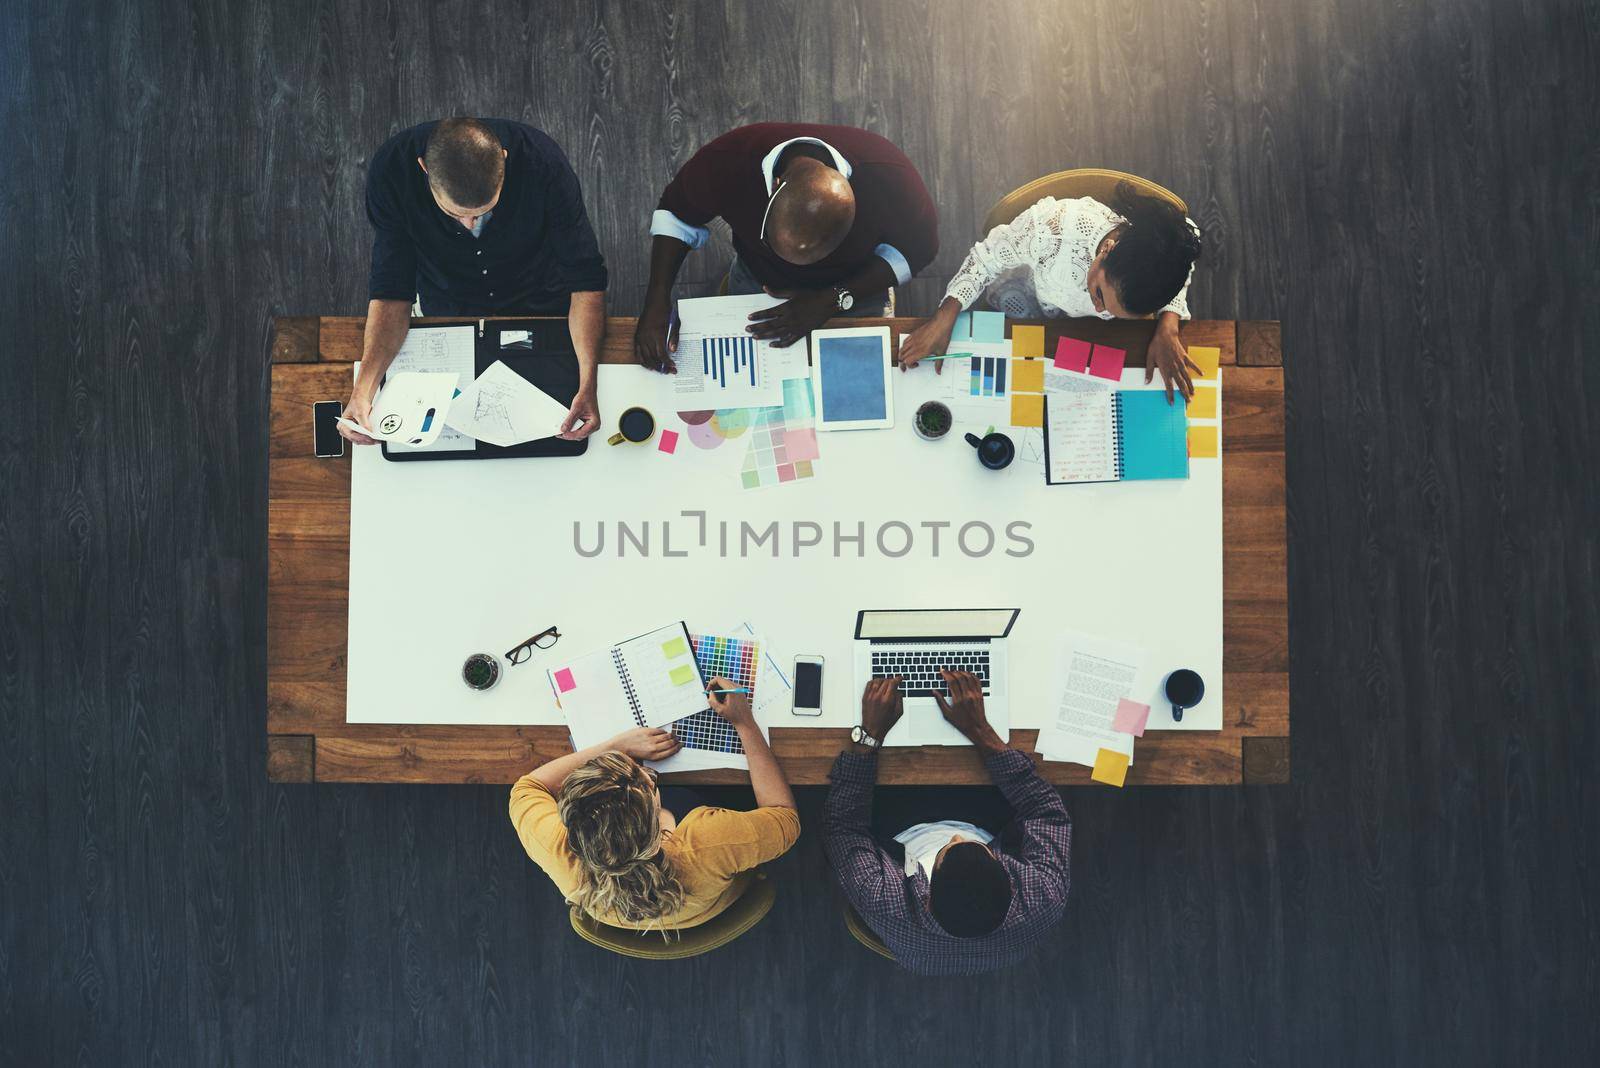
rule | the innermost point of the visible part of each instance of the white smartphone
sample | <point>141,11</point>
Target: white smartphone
<point>807,686</point>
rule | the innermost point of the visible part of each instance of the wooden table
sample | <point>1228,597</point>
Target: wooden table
<point>308,556</point>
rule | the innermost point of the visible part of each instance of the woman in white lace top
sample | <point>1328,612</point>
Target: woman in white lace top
<point>1130,259</point>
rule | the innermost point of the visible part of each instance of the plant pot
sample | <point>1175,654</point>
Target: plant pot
<point>481,671</point>
<point>933,420</point>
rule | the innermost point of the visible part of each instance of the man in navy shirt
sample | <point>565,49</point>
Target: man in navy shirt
<point>479,217</point>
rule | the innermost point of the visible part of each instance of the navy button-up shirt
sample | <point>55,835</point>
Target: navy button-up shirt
<point>535,250</point>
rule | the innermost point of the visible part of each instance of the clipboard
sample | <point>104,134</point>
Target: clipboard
<point>545,358</point>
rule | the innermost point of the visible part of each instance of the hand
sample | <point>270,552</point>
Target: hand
<point>1166,352</point>
<point>359,410</point>
<point>932,338</point>
<point>647,743</point>
<point>733,707</point>
<point>964,709</point>
<point>798,315</point>
<point>651,345</point>
<point>881,706</point>
<point>585,406</point>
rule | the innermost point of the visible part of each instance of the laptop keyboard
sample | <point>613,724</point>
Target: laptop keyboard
<point>920,667</point>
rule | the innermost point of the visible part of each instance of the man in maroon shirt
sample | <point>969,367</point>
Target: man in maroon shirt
<point>828,217</point>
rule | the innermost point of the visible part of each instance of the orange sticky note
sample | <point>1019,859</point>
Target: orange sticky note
<point>1202,443</point>
<point>1027,376</point>
<point>1027,409</point>
<point>1027,341</point>
<point>1207,358</point>
<point>1110,767</point>
<point>1203,405</point>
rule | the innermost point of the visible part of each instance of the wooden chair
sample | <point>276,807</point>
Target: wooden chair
<point>735,920</point>
<point>1065,185</point>
<point>864,934</point>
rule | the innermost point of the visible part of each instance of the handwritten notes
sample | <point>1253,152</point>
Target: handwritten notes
<point>1027,342</point>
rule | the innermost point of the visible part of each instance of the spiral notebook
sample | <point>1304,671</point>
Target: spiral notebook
<point>648,681</point>
<point>1114,435</point>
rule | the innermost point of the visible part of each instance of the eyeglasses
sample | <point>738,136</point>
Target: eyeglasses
<point>543,640</point>
<point>776,188</point>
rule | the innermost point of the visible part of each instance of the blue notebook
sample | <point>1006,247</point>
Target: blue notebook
<point>1115,435</point>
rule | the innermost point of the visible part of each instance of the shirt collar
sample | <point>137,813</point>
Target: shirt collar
<point>770,161</point>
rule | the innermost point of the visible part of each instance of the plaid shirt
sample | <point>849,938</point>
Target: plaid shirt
<point>895,905</point>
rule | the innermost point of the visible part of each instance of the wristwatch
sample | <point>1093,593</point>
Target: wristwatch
<point>843,298</point>
<point>861,737</point>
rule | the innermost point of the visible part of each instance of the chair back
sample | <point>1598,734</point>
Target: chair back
<point>730,923</point>
<point>1067,185</point>
<point>864,934</point>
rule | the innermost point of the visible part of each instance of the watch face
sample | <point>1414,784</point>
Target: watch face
<point>846,300</point>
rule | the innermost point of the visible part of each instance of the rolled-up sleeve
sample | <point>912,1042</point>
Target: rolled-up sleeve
<point>696,195</point>
<point>394,255</point>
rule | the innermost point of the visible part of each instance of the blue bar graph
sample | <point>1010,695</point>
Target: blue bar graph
<point>717,352</point>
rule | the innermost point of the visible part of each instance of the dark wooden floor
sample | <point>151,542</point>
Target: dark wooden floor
<point>1413,189</point>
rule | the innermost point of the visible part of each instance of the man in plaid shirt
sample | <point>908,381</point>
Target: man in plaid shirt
<point>958,905</point>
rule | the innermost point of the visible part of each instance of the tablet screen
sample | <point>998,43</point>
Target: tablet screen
<point>851,369</point>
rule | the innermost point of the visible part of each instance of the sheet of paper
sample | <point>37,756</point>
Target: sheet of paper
<point>1027,376</point>
<point>1203,405</point>
<point>988,326</point>
<point>1131,717</point>
<point>1206,358</point>
<point>1079,429</point>
<point>504,409</point>
<point>1027,409</point>
<point>1106,362</point>
<point>720,364</point>
<point>440,350</point>
<point>666,681</point>
<point>1110,767</point>
<point>1203,443</point>
<point>1092,675</point>
<point>409,409</point>
<point>1027,342</point>
<point>1072,354</point>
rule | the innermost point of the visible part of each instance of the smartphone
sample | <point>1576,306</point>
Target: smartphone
<point>325,429</point>
<point>807,686</point>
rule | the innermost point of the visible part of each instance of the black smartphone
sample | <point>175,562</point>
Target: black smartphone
<point>325,429</point>
<point>807,686</point>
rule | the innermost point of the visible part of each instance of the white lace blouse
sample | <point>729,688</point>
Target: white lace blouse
<point>1037,265</point>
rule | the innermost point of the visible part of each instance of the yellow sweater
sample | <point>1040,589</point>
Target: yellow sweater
<point>713,850</point>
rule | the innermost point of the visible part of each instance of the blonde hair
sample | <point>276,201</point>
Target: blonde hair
<point>608,805</point>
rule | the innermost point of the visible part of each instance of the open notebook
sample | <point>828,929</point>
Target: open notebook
<point>648,681</point>
<point>1114,435</point>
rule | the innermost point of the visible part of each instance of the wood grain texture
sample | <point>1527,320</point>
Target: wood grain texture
<point>1408,188</point>
<point>308,582</point>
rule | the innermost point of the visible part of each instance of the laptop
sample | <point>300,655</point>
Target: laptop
<point>916,643</point>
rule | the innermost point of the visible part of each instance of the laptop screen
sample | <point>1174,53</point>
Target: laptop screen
<point>936,623</point>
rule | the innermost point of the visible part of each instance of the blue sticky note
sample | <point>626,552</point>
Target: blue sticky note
<point>963,328</point>
<point>988,326</point>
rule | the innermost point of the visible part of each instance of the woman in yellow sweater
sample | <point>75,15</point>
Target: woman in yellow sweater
<point>593,820</point>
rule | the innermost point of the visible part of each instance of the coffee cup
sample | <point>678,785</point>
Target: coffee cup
<point>1184,689</point>
<point>995,450</point>
<point>636,426</point>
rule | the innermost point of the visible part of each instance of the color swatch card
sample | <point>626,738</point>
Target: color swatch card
<point>646,681</point>
<point>709,741</point>
<point>782,440</point>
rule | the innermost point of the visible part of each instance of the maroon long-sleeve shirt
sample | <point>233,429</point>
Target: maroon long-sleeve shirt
<point>731,178</point>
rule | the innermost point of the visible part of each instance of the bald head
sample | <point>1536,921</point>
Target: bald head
<point>811,212</point>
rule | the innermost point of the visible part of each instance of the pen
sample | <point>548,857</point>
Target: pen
<point>740,690</point>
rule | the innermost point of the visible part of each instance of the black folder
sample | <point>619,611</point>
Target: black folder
<point>546,359</point>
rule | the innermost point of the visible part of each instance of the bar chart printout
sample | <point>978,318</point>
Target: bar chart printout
<point>725,359</point>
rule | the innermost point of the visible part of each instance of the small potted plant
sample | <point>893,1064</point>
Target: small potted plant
<point>481,671</point>
<point>933,420</point>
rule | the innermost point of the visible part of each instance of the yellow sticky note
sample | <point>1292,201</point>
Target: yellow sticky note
<point>682,674</point>
<point>1110,767</point>
<point>1202,443</point>
<point>1027,376</point>
<point>1027,409</point>
<point>1207,359</point>
<point>676,647</point>
<point>1203,405</point>
<point>1027,342</point>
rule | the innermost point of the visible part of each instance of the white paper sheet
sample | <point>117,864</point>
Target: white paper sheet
<point>409,409</point>
<point>440,349</point>
<point>504,409</point>
<point>738,370</point>
<point>1092,674</point>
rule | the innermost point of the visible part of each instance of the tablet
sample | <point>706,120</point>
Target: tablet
<point>850,370</point>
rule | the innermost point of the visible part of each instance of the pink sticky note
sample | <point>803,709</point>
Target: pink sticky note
<point>565,681</point>
<point>801,444</point>
<point>1072,354</point>
<point>1131,717</point>
<point>1107,362</point>
<point>669,441</point>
